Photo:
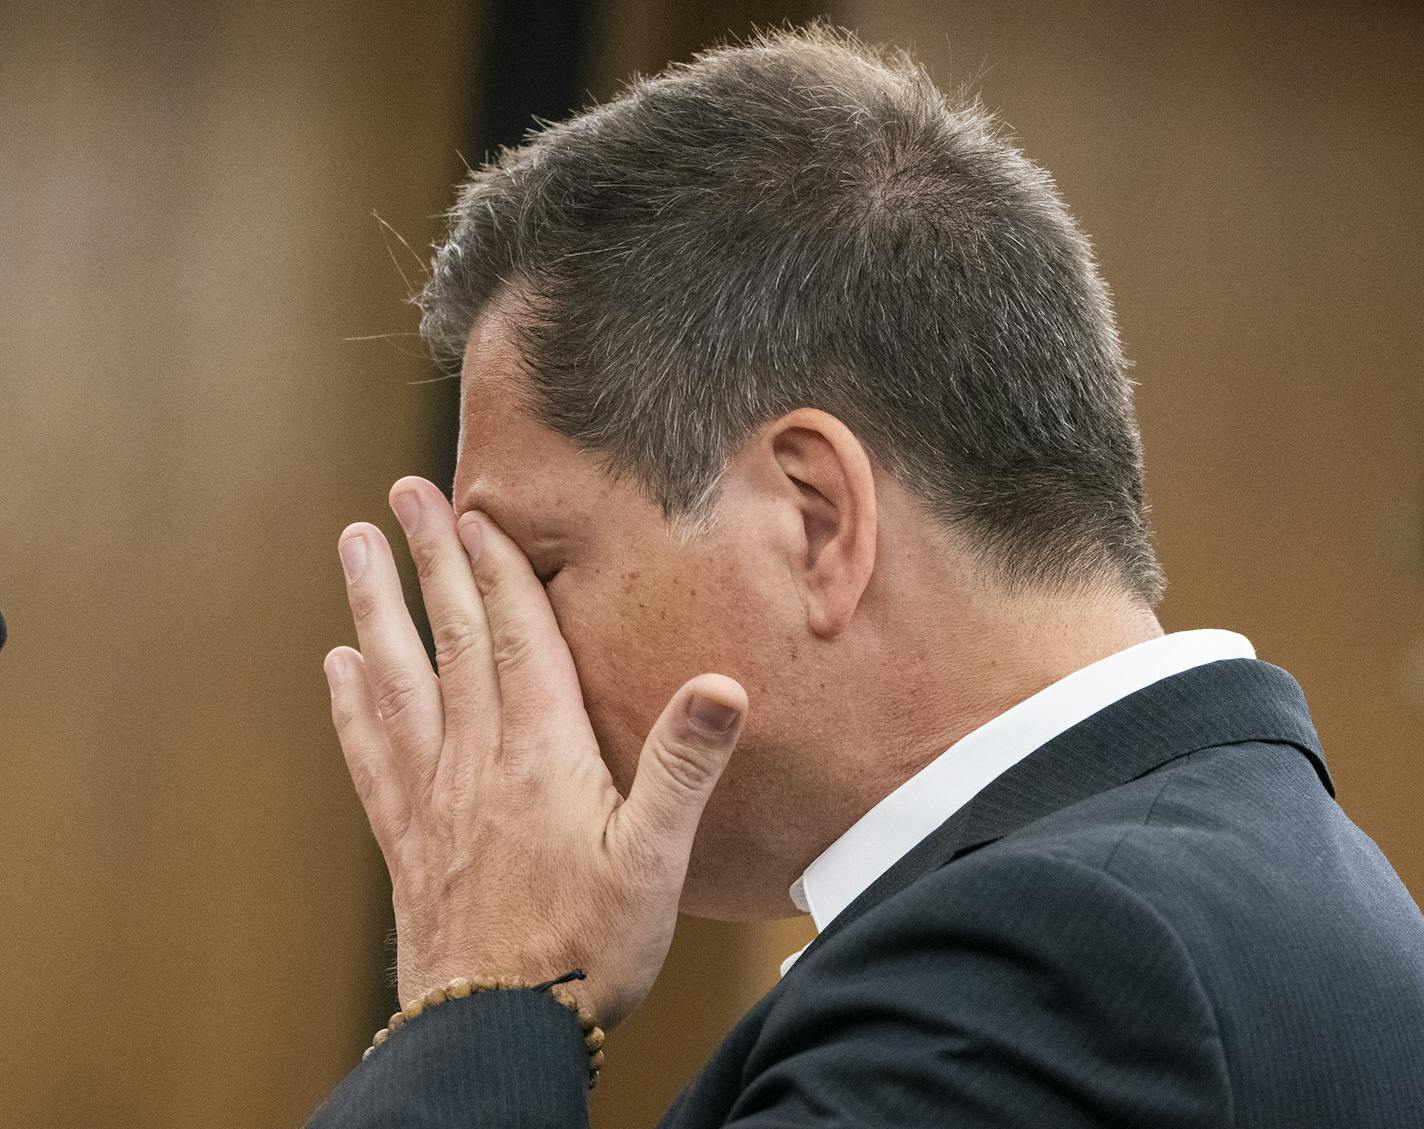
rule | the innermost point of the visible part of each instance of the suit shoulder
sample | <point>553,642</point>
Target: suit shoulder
<point>1026,980</point>
<point>1253,798</point>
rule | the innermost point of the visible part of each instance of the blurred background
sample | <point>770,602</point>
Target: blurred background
<point>210,218</point>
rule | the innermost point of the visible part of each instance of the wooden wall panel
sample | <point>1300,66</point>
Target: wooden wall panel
<point>195,910</point>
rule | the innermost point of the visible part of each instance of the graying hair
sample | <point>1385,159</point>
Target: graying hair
<point>803,220</point>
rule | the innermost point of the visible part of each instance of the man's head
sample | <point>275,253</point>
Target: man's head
<point>797,373</point>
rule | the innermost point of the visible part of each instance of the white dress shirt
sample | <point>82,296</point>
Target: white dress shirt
<point>884,834</point>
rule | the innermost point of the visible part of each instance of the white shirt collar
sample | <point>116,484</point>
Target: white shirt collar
<point>897,823</point>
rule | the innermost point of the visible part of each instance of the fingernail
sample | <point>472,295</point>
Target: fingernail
<point>353,557</point>
<point>709,716</point>
<point>470,536</point>
<point>407,507</point>
<point>332,677</point>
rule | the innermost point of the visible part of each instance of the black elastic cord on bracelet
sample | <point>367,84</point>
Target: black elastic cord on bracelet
<point>576,974</point>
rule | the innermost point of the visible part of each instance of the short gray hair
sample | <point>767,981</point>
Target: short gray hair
<point>804,221</point>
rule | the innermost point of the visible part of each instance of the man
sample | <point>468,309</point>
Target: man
<point>789,387</point>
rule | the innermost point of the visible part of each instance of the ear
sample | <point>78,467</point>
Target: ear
<point>832,476</point>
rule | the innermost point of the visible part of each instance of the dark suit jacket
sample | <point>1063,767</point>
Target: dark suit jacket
<point>1160,918</point>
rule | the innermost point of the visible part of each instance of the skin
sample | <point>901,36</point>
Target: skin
<point>866,645</point>
<point>544,803</point>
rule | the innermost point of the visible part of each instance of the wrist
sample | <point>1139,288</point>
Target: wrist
<point>462,987</point>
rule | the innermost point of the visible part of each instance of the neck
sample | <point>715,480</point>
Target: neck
<point>949,674</point>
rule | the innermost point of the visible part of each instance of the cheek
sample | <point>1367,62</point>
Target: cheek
<point>610,650</point>
<point>633,644</point>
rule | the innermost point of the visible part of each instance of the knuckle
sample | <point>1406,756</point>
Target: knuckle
<point>343,716</point>
<point>522,784</point>
<point>426,557</point>
<point>364,780</point>
<point>365,601</point>
<point>513,653</point>
<point>450,806</point>
<point>689,767</point>
<point>396,697</point>
<point>454,640</point>
<point>396,828</point>
<point>442,807</point>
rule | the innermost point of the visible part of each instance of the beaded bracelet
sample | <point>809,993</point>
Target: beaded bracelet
<point>460,987</point>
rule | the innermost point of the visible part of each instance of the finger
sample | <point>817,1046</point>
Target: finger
<point>681,763</point>
<point>541,703</point>
<point>406,691</point>
<point>469,688</point>
<point>368,755</point>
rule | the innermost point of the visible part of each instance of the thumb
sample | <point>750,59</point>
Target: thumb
<point>683,759</point>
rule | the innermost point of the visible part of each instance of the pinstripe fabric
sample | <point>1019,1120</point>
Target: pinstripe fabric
<point>1160,918</point>
<point>508,1058</point>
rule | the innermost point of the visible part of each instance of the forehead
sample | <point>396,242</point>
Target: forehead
<point>490,371</point>
<point>491,430</point>
<point>502,453</point>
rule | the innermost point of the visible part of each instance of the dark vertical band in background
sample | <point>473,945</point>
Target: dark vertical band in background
<point>533,64</point>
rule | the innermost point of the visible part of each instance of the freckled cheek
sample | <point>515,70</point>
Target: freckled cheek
<point>619,650</point>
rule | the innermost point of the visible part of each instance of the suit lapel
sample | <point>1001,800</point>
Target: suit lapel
<point>1220,703</point>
